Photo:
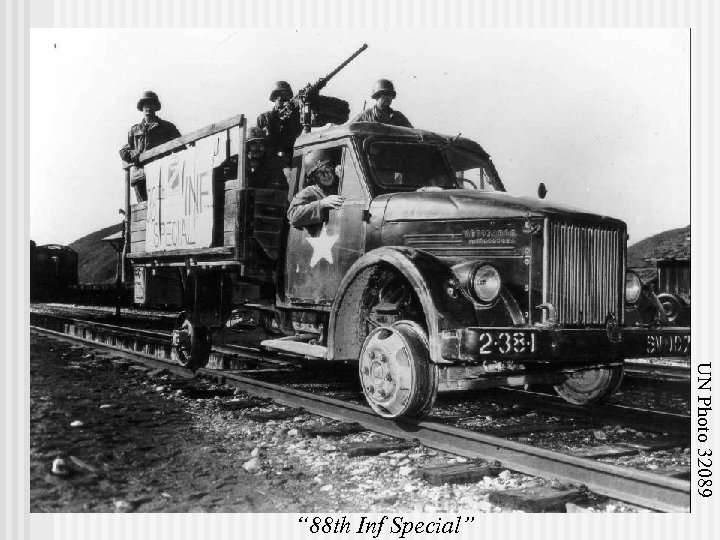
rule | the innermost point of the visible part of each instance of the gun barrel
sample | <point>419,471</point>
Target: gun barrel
<point>346,62</point>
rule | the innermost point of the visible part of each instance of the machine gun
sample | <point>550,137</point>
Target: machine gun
<point>315,106</point>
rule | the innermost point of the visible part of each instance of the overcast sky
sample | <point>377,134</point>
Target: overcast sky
<point>600,116</point>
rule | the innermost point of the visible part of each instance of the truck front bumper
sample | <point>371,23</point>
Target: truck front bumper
<point>478,344</point>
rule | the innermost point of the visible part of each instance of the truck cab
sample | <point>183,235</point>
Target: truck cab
<point>430,276</point>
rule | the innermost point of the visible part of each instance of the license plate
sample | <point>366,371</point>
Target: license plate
<point>506,343</point>
<point>667,344</point>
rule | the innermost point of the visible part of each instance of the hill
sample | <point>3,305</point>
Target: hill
<point>674,243</point>
<point>97,260</point>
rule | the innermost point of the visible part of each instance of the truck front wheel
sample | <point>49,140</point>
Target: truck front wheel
<point>397,376</point>
<point>590,385</point>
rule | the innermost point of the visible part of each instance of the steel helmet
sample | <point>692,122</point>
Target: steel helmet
<point>280,86</point>
<point>149,95</point>
<point>256,134</point>
<point>383,86</point>
<point>317,158</point>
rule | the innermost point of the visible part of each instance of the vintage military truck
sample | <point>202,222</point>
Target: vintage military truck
<point>430,276</point>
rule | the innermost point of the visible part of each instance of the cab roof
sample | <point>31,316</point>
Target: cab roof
<point>366,129</point>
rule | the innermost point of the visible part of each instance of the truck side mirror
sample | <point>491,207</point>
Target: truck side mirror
<point>542,190</point>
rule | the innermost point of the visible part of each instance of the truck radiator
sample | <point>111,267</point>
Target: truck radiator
<point>583,272</point>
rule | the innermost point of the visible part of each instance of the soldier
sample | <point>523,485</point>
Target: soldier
<point>311,205</point>
<point>152,131</point>
<point>282,123</point>
<point>383,92</point>
<point>262,170</point>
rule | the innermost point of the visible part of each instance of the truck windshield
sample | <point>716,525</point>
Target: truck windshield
<point>473,171</point>
<point>398,166</point>
<point>401,166</point>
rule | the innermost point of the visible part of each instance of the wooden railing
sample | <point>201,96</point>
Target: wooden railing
<point>159,151</point>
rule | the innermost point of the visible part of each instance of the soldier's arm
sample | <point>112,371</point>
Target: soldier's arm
<point>402,120</point>
<point>126,152</point>
<point>174,132</point>
<point>362,117</point>
<point>305,209</point>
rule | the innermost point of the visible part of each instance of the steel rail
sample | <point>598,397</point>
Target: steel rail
<point>679,373</point>
<point>641,419</point>
<point>164,337</point>
<point>644,489</point>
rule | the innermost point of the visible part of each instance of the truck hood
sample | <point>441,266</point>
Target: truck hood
<point>466,204</point>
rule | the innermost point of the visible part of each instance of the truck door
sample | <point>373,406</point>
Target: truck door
<point>318,257</point>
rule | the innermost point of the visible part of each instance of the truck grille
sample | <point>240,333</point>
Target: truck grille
<point>583,269</point>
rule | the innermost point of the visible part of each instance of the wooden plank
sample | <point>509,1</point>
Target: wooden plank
<point>203,252</point>
<point>295,347</point>
<point>176,144</point>
<point>232,185</point>
<point>463,473</point>
<point>650,445</point>
<point>273,213</point>
<point>605,450</point>
<point>229,223</point>
<point>139,215</point>
<point>375,448</point>
<point>536,499</point>
<point>137,246</point>
<point>270,196</point>
<point>333,430</point>
<point>137,226</point>
<point>229,239</point>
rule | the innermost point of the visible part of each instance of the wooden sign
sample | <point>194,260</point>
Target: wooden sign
<point>180,196</point>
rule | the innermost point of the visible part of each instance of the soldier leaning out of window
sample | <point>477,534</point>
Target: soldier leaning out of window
<point>383,92</point>
<point>312,204</point>
<point>152,131</point>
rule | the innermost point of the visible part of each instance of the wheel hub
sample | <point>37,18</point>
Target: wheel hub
<point>385,370</point>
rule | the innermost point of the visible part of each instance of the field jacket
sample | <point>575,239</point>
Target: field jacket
<point>305,207</point>
<point>147,135</point>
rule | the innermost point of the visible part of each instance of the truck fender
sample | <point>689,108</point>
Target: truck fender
<point>429,278</point>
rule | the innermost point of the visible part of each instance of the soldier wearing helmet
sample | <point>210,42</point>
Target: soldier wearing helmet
<point>282,123</point>
<point>261,169</point>
<point>152,131</point>
<point>383,92</point>
<point>312,204</point>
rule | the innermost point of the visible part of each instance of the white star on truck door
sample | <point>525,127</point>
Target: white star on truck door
<point>322,246</point>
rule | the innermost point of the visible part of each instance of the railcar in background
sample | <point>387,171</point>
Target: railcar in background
<point>53,271</point>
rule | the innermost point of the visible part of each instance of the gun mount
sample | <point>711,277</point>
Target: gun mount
<point>323,107</point>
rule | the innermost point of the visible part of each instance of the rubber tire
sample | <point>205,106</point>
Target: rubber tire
<point>200,346</point>
<point>597,385</point>
<point>424,374</point>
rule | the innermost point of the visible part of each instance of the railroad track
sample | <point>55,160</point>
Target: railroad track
<point>640,369</point>
<point>642,488</point>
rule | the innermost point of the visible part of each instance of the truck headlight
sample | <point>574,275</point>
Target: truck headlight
<point>486,283</point>
<point>633,287</point>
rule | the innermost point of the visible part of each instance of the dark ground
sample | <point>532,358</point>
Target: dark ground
<point>146,449</point>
